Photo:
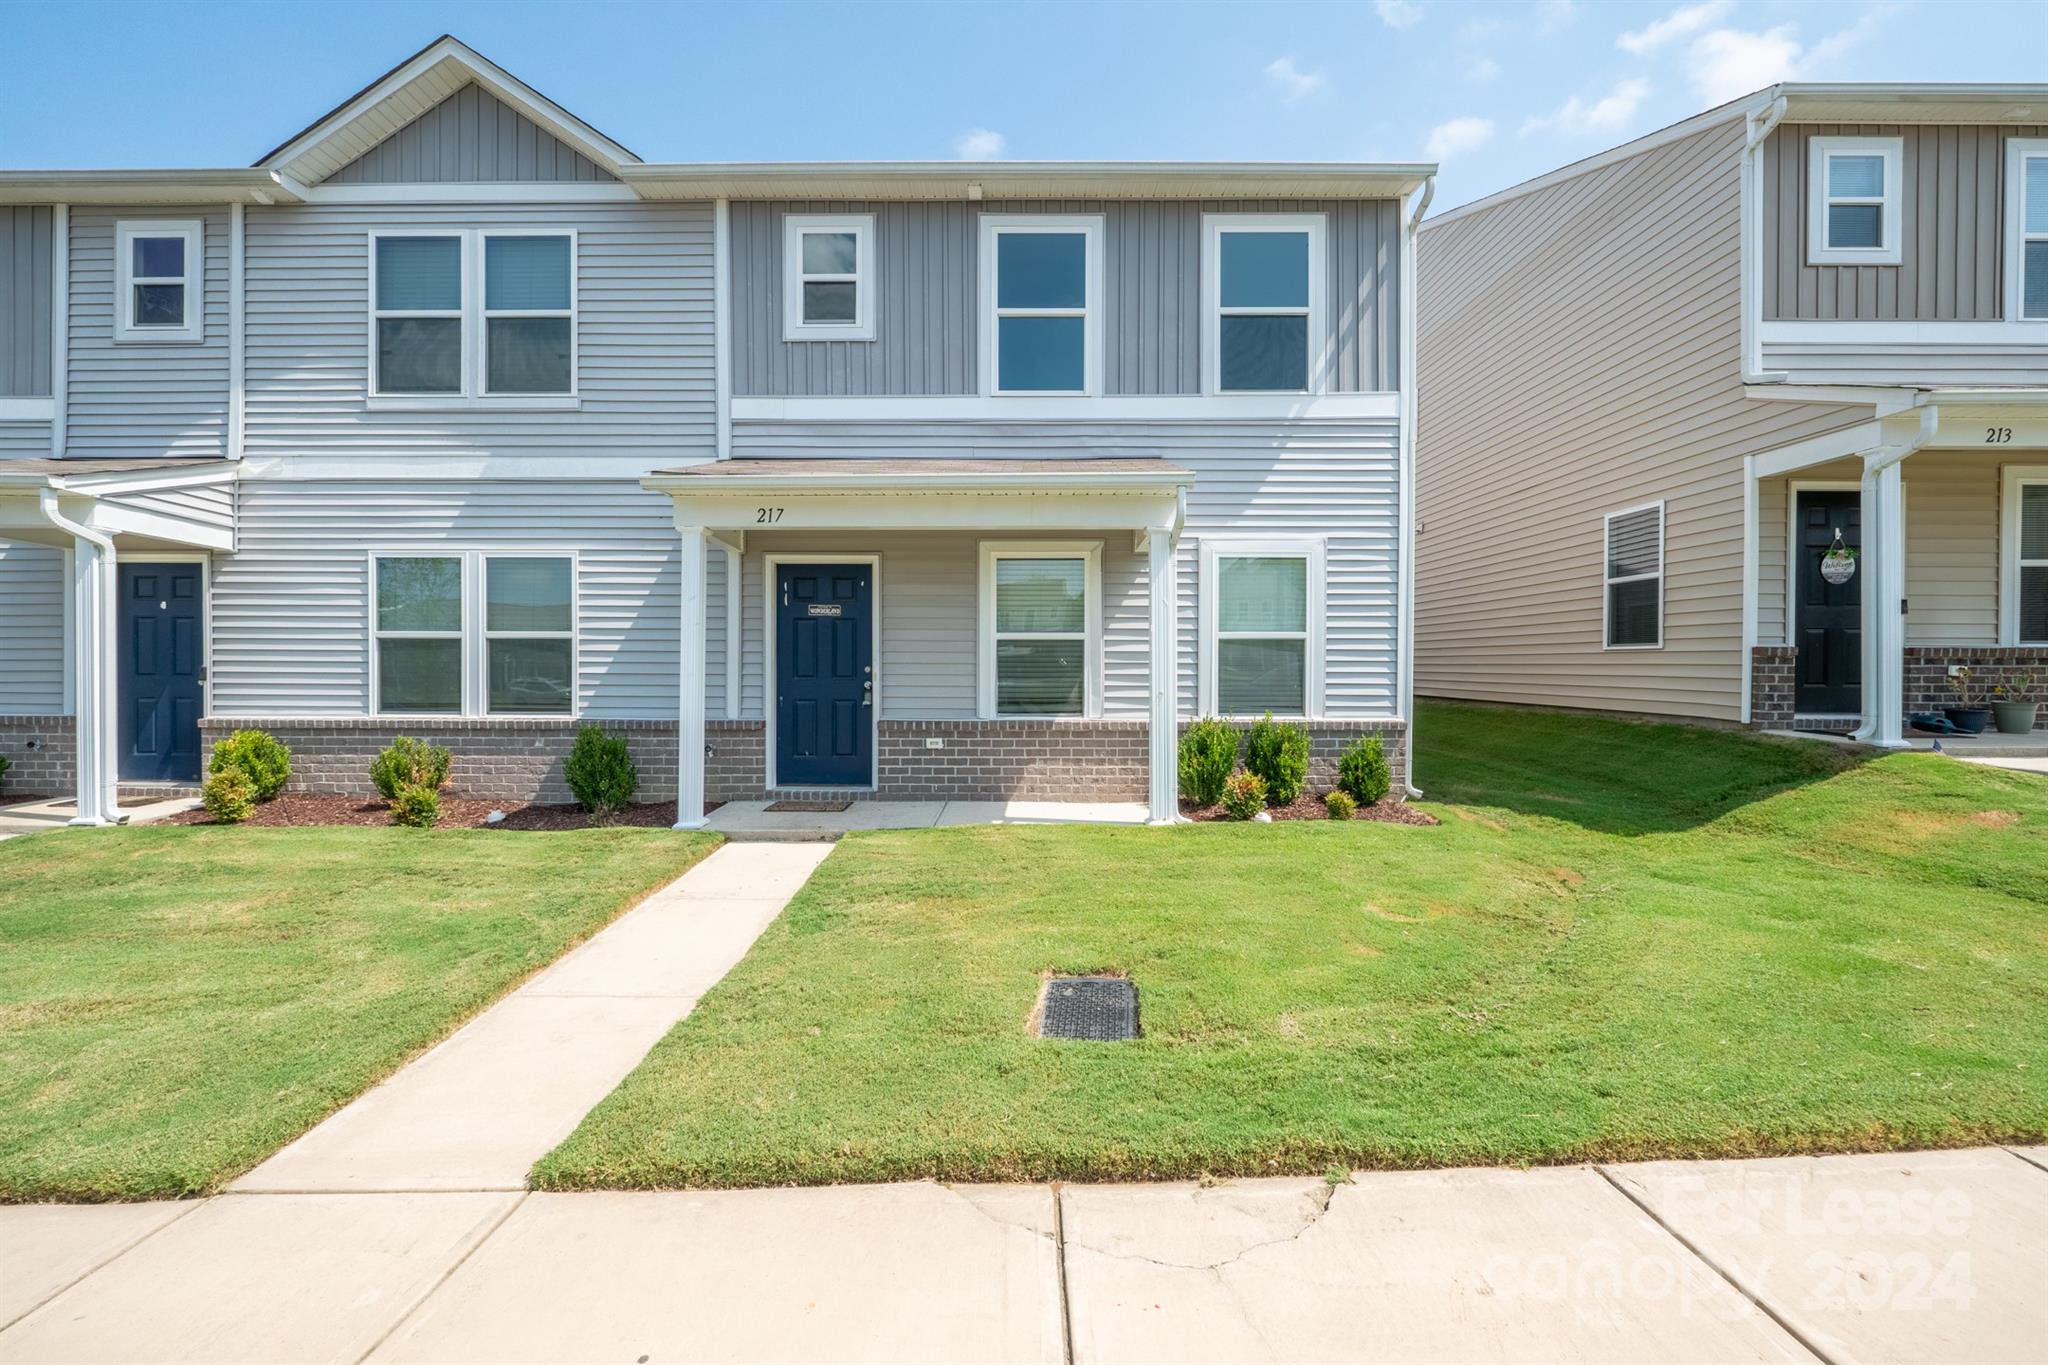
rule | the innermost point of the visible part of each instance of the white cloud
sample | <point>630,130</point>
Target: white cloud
<point>1609,114</point>
<point>1483,70</point>
<point>1680,23</point>
<point>1457,137</point>
<point>1729,62</point>
<point>979,144</point>
<point>1293,82</point>
<point>1398,13</point>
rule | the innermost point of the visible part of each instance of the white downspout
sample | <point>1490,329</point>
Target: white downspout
<point>1761,123</point>
<point>94,716</point>
<point>1884,619</point>
<point>1404,631</point>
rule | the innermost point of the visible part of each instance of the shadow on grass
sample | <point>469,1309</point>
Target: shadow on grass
<point>1605,774</point>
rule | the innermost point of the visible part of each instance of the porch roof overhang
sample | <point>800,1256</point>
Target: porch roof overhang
<point>111,497</point>
<point>732,497</point>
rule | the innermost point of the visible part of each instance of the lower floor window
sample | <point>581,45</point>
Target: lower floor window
<point>1634,589</point>
<point>2029,574</point>
<point>1039,606</point>
<point>1262,638</point>
<point>474,633</point>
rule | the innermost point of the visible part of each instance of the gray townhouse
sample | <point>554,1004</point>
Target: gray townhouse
<point>452,416</point>
<point>1747,420</point>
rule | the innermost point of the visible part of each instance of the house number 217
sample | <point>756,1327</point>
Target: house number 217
<point>767,516</point>
<point>1997,436</point>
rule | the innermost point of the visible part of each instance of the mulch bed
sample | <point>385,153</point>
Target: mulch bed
<point>1309,806</point>
<point>299,808</point>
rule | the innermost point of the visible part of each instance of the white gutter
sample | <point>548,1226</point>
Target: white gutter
<point>93,708</point>
<point>1404,632</point>
<point>1761,123</point>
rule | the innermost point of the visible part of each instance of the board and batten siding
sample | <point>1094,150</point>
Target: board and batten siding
<point>644,336</point>
<point>1581,352</point>
<point>1333,479</point>
<point>291,607</point>
<point>31,630</point>
<point>144,398</point>
<point>1952,535</point>
<point>27,260</point>
<point>469,137</point>
<point>1952,210</point>
<point>927,263</point>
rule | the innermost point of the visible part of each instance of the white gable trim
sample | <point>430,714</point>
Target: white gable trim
<point>414,87</point>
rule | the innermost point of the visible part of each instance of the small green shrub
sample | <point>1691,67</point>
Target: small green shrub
<point>1208,751</point>
<point>4,766</point>
<point>1340,805</point>
<point>229,796</point>
<point>416,805</point>
<point>260,755</point>
<point>1244,795</point>
<point>1363,771</point>
<point>600,772</point>
<point>1278,753</point>
<point>409,763</point>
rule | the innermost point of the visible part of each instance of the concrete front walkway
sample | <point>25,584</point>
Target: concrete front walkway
<point>477,1111</point>
<point>33,817</point>
<point>1928,1257</point>
<point>753,819</point>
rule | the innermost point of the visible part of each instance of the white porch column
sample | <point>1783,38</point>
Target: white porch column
<point>1884,541</point>
<point>690,684</point>
<point>94,596</point>
<point>1165,729</point>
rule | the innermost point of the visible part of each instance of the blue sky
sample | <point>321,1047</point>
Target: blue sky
<point>1497,92</point>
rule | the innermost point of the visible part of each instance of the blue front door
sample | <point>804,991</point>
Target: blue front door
<point>161,631</point>
<point>824,675</point>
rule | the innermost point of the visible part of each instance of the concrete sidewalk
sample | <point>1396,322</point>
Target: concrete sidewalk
<point>1924,1257</point>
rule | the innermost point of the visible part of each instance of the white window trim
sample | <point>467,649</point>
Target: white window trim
<point>126,330</point>
<point>475,364</point>
<point>2017,151</point>
<point>1090,553</point>
<point>862,226</point>
<point>1214,225</point>
<point>2016,477</point>
<point>1887,252</point>
<point>474,635</point>
<point>1607,581</point>
<point>1090,225</point>
<point>1313,550</point>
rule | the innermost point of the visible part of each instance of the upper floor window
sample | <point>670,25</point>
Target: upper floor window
<point>2026,231</point>
<point>473,317</point>
<point>828,277</point>
<point>1853,215</point>
<point>160,283</point>
<point>1041,314</point>
<point>1263,289</point>
<point>1634,608</point>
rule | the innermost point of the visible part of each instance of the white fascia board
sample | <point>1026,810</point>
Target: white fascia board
<point>1020,180</point>
<point>914,485</point>
<point>1027,408</point>
<point>443,468</point>
<point>1049,513</point>
<point>1849,332</point>
<point>478,192</point>
<point>158,188</point>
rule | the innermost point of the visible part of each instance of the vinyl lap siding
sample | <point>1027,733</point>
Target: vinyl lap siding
<point>152,398</point>
<point>291,607</point>
<point>24,440</point>
<point>31,630</point>
<point>644,336</point>
<point>26,262</point>
<point>1581,352</point>
<point>470,136</point>
<point>212,506</point>
<point>1953,218</point>
<point>927,264</point>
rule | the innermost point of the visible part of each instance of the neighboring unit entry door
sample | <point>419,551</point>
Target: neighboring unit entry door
<point>824,675</point>
<point>1829,628</point>
<point>162,665</point>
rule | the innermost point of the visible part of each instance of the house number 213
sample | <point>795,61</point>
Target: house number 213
<point>767,516</point>
<point>1997,436</point>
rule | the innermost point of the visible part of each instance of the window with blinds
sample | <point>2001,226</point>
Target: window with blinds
<point>1634,608</point>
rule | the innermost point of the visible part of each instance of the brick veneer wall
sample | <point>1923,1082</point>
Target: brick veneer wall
<point>50,767</point>
<point>1772,682</point>
<point>1927,681</point>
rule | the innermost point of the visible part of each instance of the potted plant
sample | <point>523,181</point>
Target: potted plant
<point>2015,717</point>
<point>1968,719</point>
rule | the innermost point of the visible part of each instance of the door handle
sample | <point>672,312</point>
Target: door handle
<point>867,693</point>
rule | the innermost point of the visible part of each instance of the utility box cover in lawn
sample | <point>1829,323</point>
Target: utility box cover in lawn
<point>1097,1009</point>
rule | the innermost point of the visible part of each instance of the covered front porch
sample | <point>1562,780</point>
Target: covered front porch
<point>1893,556</point>
<point>127,659</point>
<point>929,630</point>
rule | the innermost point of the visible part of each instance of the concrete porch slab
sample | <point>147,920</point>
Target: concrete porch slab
<point>1549,1264</point>
<point>1897,1257</point>
<point>842,1273</point>
<point>46,1247</point>
<point>1045,813</point>
<point>744,818</point>
<point>33,817</point>
<point>262,1278</point>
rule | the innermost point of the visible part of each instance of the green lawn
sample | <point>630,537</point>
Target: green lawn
<point>178,1003</point>
<point>1624,941</point>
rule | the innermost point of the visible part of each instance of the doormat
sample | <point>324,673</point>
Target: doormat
<point>810,807</point>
